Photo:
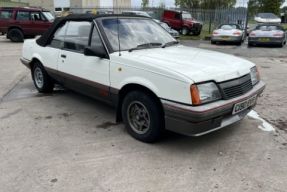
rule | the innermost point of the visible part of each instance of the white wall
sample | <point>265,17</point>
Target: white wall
<point>62,3</point>
<point>106,3</point>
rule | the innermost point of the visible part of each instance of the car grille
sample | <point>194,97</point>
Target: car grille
<point>236,87</point>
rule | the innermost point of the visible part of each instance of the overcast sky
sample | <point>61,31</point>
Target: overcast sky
<point>170,3</point>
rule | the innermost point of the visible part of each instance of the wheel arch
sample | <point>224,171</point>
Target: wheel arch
<point>33,61</point>
<point>14,27</point>
<point>134,87</point>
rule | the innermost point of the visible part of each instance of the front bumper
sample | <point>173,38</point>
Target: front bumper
<point>200,120</point>
<point>26,62</point>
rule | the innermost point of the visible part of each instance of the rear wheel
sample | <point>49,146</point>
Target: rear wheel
<point>197,33</point>
<point>250,44</point>
<point>15,35</point>
<point>42,81</point>
<point>213,42</point>
<point>142,116</point>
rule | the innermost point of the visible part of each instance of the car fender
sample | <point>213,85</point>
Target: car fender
<point>142,82</point>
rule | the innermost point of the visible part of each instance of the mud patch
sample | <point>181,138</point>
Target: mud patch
<point>65,115</point>
<point>107,125</point>
<point>281,124</point>
<point>54,180</point>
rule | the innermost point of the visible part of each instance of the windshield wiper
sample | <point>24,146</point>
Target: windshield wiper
<point>169,44</point>
<point>145,45</point>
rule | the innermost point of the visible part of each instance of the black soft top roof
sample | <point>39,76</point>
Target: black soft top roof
<point>46,37</point>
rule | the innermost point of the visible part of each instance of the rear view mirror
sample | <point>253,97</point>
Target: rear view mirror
<point>96,52</point>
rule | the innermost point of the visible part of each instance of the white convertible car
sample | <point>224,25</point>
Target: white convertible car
<point>155,83</point>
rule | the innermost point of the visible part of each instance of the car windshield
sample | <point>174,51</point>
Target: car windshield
<point>228,27</point>
<point>48,16</point>
<point>268,27</point>
<point>267,15</point>
<point>186,16</point>
<point>134,32</point>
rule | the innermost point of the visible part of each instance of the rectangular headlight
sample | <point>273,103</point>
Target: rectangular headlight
<point>254,75</point>
<point>205,93</point>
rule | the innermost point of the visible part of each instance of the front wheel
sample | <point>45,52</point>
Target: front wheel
<point>15,35</point>
<point>185,31</point>
<point>142,116</point>
<point>42,81</point>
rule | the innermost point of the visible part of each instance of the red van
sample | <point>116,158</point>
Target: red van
<point>182,21</point>
<point>21,22</point>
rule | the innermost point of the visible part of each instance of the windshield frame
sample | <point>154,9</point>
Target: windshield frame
<point>46,17</point>
<point>105,37</point>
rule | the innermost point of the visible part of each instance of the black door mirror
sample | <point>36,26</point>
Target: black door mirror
<point>97,52</point>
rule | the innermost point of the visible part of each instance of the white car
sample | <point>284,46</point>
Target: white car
<point>267,18</point>
<point>228,33</point>
<point>154,83</point>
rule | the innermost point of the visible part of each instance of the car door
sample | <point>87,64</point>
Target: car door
<point>39,24</point>
<point>177,22</point>
<point>50,53</point>
<point>86,74</point>
<point>23,21</point>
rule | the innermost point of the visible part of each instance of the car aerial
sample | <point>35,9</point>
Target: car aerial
<point>171,31</point>
<point>228,33</point>
<point>182,21</point>
<point>19,23</point>
<point>154,83</point>
<point>267,34</point>
<point>267,18</point>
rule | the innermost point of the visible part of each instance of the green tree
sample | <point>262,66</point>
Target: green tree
<point>268,6</point>
<point>145,3</point>
<point>205,4</point>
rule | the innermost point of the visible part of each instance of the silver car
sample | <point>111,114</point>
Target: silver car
<point>171,31</point>
<point>228,33</point>
<point>267,34</point>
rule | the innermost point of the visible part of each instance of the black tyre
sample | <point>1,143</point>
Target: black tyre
<point>142,116</point>
<point>42,81</point>
<point>250,44</point>
<point>15,35</point>
<point>197,33</point>
<point>185,31</point>
<point>282,44</point>
<point>239,43</point>
<point>213,42</point>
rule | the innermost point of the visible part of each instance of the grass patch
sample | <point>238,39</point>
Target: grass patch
<point>204,33</point>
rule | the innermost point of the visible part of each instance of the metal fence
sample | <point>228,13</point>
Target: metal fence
<point>209,18</point>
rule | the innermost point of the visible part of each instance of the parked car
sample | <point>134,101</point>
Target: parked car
<point>19,23</point>
<point>139,13</point>
<point>154,83</point>
<point>267,18</point>
<point>228,33</point>
<point>132,13</point>
<point>182,21</point>
<point>171,31</point>
<point>267,34</point>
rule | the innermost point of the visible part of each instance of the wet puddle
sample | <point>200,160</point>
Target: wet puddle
<point>265,126</point>
<point>26,89</point>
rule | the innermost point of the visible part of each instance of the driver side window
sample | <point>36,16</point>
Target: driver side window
<point>59,37</point>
